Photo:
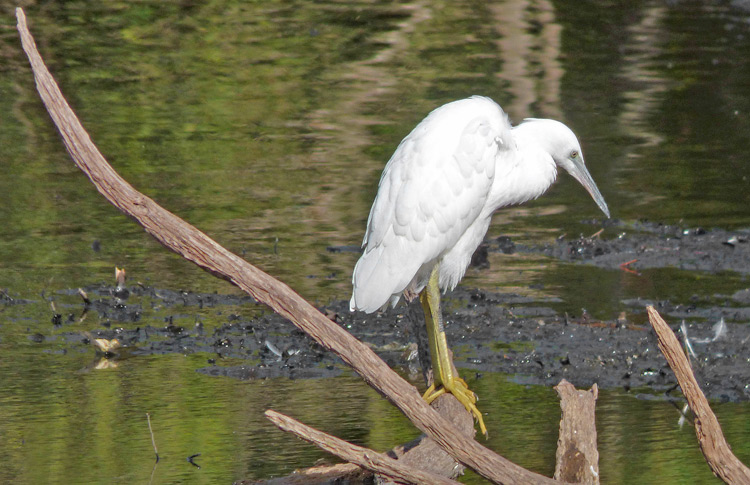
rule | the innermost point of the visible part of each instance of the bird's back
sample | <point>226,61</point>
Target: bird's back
<point>431,191</point>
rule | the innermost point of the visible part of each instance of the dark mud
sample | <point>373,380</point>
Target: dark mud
<point>652,245</point>
<point>488,332</point>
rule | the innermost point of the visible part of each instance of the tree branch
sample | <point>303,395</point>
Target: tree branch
<point>422,453</point>
<point>707,428</point>
<point>344,473</point>
<point>182,238</point>
<point>371,460</point>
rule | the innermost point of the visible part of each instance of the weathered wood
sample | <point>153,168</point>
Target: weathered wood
<point>425,453</point>
<point>714,446</point>
<point>184,239</point>
<point>422,453</point>
<point>577,453</point>
<point>340,473</point>
<point>365,458</point>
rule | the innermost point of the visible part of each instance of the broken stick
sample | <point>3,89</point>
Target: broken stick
<point>577,453</point>
<point>375,462</point>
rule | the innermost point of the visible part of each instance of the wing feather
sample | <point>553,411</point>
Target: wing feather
<point>432,190</point>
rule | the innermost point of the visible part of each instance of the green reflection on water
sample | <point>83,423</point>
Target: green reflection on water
<point>68,424</point>
<point>266,124</point>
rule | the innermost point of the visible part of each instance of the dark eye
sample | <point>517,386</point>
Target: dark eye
<point>574,154</point>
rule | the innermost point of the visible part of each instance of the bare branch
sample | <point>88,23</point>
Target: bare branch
<point>425,453</point>
<point>422,453</point>
<point>577,454</point>
<point>184,239</point>
<point>347,473</point>
<point>707,428</point>
<point>376,462</point>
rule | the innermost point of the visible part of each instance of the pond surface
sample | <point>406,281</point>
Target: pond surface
<point>266,125</point>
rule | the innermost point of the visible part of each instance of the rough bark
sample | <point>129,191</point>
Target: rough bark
<point>425,453</point>
<point>577,454</point>
<point>422,453</point>
<point>371,460</point>
<point>339,474</point>
<point>714,446</point>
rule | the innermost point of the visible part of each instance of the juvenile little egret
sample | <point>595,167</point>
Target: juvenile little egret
<point>434,204</point>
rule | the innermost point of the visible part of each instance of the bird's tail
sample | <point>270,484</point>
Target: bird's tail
<point>378,280</point>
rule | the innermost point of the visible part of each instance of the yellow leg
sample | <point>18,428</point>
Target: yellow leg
<point>442,368</point>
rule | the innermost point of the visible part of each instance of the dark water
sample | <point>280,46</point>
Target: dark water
<point>266,125</point>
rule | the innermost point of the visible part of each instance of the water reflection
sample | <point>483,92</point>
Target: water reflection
<point>645,44</point>
<point>267,125</point>
<point>528,42</point>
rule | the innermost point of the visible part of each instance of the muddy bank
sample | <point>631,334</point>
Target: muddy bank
<point>651,245</point>
<point>489,332</point>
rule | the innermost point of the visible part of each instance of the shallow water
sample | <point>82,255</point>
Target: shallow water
<point>267,125</point>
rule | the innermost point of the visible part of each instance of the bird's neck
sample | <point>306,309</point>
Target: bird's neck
<point>524,173</point>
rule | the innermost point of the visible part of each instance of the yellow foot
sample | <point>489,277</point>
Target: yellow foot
<point>460,391</point>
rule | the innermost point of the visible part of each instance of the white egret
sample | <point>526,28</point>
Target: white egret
<point>434,203</point>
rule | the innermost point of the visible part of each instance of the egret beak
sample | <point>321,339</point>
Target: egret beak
<point>580,173</point>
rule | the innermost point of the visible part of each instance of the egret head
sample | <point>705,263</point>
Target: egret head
<point>561,143</point>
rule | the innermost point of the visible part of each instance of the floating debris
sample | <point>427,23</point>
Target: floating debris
<point>275,351</point>
<point>121,292</point>
<point>191,458</point>
<point>683,416</point>
<point>84,296</point>
<point>106,346</point>
<point>686,341</point>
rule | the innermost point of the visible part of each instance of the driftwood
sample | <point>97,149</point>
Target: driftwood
<point>714,446</point>
<point>422,453</point>
<point>577,454</point>
<point>184,239</point>
<point>340,473</point>
<point>425,453</point>
<point>376,462</point>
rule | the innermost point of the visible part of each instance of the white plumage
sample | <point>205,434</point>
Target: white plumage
<point>438,192</point>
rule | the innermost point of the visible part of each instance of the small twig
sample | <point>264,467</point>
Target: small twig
<point>153,472</point>
<point>84,296</point>
<point>714,446</point>
<point>366,458</point>
<point>153,441</point>
<point>596,234</point>
<point>626,266</point>
<point>190,460</point>
<point>84,314</point>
